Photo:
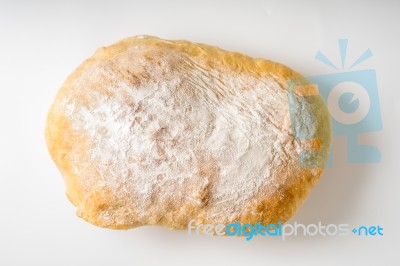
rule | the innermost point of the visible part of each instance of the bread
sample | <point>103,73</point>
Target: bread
<point>155,132</point>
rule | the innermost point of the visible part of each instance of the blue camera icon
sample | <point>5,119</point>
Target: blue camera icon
<point>353,103</point>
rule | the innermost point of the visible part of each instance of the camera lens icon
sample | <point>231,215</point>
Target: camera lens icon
<point>348,102</point>
<point>353,102</point>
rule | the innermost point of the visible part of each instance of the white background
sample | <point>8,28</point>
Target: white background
<point>42,42</point>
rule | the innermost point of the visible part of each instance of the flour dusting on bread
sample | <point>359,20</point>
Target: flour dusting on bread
<point>170,138</point>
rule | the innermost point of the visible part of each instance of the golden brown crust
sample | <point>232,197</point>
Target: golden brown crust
<point>116,205</point>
